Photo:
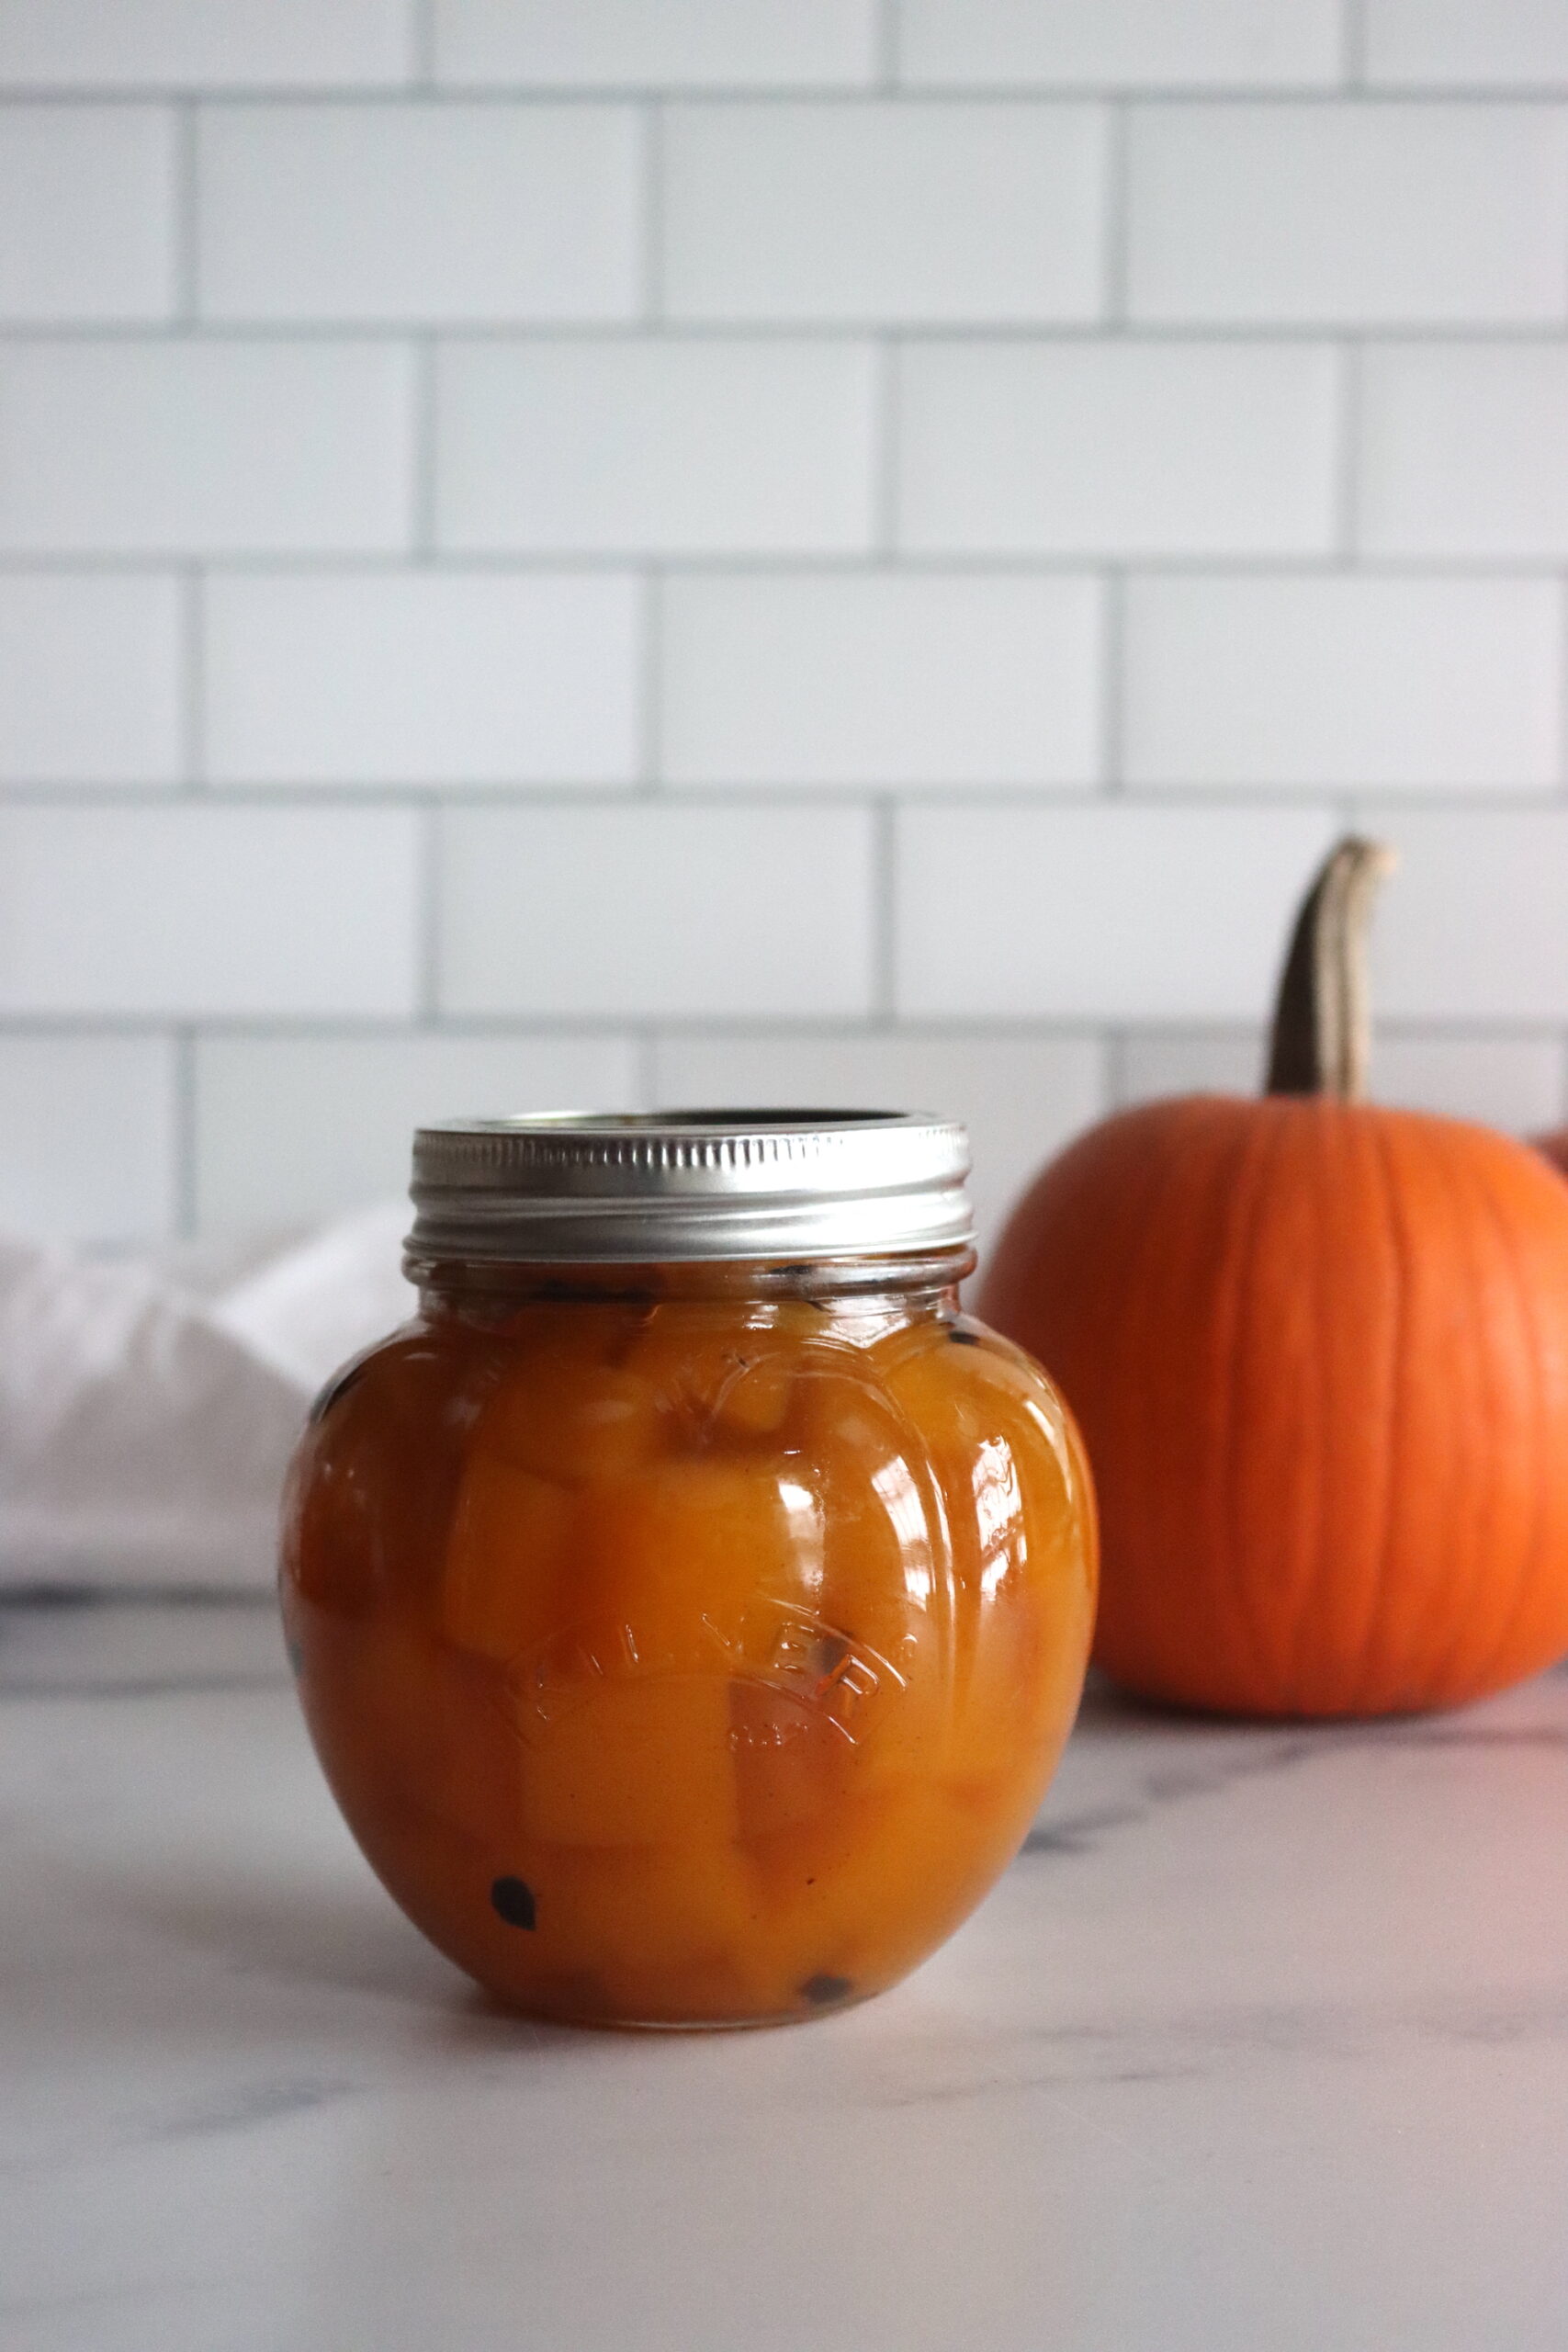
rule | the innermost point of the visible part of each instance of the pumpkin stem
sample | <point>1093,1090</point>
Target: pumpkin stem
<point>1321,1019</point>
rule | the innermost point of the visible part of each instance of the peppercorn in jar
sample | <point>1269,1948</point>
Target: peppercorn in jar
<point>690,1604</point>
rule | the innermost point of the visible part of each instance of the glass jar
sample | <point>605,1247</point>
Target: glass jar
<point>689,1605</point>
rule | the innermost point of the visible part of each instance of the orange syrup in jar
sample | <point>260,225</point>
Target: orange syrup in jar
<point>689,1642</point>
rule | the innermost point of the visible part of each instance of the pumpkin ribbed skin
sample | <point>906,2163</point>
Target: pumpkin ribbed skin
<point>1319,1355</point>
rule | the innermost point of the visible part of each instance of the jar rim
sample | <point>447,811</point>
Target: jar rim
<point>557,1186</point>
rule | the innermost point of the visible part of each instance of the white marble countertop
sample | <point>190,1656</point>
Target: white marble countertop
<point>1262,2044</point>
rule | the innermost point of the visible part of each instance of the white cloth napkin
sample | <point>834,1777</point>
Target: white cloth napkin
<point>148,1407</point>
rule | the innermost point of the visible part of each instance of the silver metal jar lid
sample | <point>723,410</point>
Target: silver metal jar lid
<point>579,1186</point>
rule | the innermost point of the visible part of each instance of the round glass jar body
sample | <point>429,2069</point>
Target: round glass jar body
<point>689,1645</point>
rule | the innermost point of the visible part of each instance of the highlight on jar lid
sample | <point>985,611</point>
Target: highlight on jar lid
<point>645,1186</point>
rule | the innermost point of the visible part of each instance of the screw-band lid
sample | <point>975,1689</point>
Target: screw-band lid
<point>575,1186</point>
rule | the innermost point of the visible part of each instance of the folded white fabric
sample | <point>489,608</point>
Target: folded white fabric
<point>148,1407</point>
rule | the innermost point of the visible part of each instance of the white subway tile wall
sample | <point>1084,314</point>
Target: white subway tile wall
<point>186,911</point>
<point>60,1097</point>
<point>657,44</point>
<point>730,447</point>
<point>1432,958</point>
<point>90,667</point>
<point>646,911</point>
<point>1364,214</point>
<point>664,551</point>
<point>1119,449</point>
<point>1478,44</point>
<point>1509,1080</point>
<point>196,44</point>
<point>102,178</point>
<point>421,677</point>
<point>1296,682</point>
<point>421,211</point>
<point>1033,44</point>
<point>885,210</point>
<point>881,679</point>
<point>298,1125</point>
<point>1464,450</point>
<point>1099,913</point>
<point>182,446</point>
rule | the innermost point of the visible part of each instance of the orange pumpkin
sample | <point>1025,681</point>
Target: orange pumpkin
<point>1319,1353</point>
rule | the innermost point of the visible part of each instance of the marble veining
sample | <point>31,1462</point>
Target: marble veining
<point>235,2110</point>
<point>1262,2042</point>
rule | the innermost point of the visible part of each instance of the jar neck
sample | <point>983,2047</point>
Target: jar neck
<point>902,1286</point>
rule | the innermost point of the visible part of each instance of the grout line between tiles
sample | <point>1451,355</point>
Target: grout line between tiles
<point>428,945</point>
<point>1348,411</point>
<point>1113,683</point>
<point>886,38</point>
<point>1040,94</point>
<point>424,490</point>
<point>1486,800</point>
<point>651,685</point>
<point>1353,48</point>
<point>1115,1045</point>
<point>957,565</point>
<point>187,227</point>
<point>185,1183</point>
<point>741,326</point>
<point>884,913</point>
<point>652,214</point>
<point>1108,1031</point>
<point>422,47</point>
<point>193,677</point>
<point>644,1067</point>
<point>1118,215</point>
<point>887,451</point>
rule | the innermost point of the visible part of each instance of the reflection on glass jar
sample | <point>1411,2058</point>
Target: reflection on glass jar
<point>689,1641</point>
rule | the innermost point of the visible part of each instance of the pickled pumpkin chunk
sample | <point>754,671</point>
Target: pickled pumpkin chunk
<point>376,1476</point>
<point>404,1729</point>
<point>506,1558</point>
<point>838,1901</point>
<point>671,1928</point>
<point>678,1561</point>
<point>726,1374</point>
<point>635,1763</point>
<point>571,1418</point>
<point>794,1761</point>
